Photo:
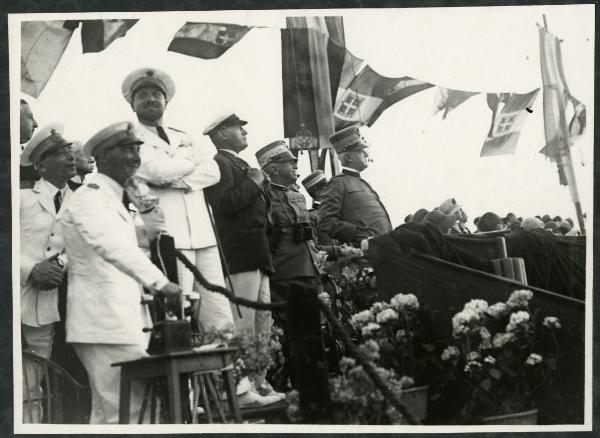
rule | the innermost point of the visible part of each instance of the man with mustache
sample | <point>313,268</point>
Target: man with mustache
<point>105,317</point>
<point>351,210</point>
<point>178,169</point>
<point>42,259</point>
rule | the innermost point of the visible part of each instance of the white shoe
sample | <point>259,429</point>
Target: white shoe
<point>252,399</point>
<point>267,390</point>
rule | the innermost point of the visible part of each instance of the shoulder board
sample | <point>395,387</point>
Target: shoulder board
<point>27,184</point>
<point>176,130</point>
<point>93,186</point>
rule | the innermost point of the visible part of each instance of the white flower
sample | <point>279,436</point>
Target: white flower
<point>450,353</point>
<point>406,381</point>
<point>485,339</point>
<point>370,328</point>
<point>463,321</point>
<point>479,306</point>
<point>497,310</point>
<point>386,315</point>
<point>552,322</point>
<point>473,356</point>
<point>520,318</point>
<point>533,359</point>
<point>405,302</point>
<point>490,359</point>
<point>378,307</point>
<point>519,298</point>
<point>501,339</point>
<point>361,318</point>
<point>371,349</point>
<point>472,366</point>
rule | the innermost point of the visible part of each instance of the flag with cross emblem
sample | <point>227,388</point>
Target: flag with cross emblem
<point>207,40</point>
<point>509,114</point>
<point>363,94</point>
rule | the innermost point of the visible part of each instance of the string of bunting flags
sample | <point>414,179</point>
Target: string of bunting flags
<point>358,93</point>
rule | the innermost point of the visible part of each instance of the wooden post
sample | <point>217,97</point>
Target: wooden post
<point>307,352</point>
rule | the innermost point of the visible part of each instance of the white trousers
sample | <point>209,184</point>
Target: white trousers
<point>105,380</point>
<point>254,286</point>
<point>215,311</point>
<point>39,341</point>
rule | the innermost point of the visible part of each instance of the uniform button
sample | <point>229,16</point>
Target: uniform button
<point>48,249</point>
<point>51,234</point>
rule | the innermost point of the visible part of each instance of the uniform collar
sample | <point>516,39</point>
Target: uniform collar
<point>349,171</point>
<point>51,188</point>
<point>229,151</point>
<point>279,187</point>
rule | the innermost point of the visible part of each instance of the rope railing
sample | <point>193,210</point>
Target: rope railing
<point>360,357</point>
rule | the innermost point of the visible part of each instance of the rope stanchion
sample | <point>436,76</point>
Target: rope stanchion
<point>326,310</point>
<point>220,289</point>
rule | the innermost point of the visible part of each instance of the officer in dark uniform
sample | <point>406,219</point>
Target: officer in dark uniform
<point>294,254</point>
<point>351,210</point>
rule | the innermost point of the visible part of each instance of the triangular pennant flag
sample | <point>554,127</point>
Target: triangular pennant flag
<point>447,99</point>
<point>97,35</point>
<point>42,45</point>
<point>206,40</point>
<point>507,122</point>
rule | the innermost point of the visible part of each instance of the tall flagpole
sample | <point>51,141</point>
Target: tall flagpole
<point>563,155</point>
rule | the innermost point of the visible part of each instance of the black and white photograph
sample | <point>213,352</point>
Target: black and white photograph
<point>302,220</point>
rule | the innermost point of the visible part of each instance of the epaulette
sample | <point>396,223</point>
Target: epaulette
<point>27,184</point>
<point>93,186</point>
<point>176,130</point>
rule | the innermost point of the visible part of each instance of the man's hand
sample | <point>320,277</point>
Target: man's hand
<point>172,294</point>
<point>256,175</point>
<point>46,275</point>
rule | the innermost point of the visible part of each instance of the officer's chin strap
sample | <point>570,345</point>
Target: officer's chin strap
<point>221,252</point>
<point>351,348</point>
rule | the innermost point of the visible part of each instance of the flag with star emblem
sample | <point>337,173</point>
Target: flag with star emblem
<point>206,40</point>
<point>97,35</point>
<point>509,115</point>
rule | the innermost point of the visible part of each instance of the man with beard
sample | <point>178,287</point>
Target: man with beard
<point>105,317</point>
<point>42,259</point>
<point>178,169</point>
<point>27,126</point>
<point>351,210</point>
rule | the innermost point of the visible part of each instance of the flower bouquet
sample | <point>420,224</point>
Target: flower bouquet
<point>256,353</point>
<point>354,397</point>
<point>355,280</point>
<point>501,356</point>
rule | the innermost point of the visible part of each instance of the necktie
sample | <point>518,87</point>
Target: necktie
<point>125,200</point>
<point>162,134</point>
<point>58,200</point>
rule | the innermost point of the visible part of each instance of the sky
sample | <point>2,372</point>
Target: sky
<point>419,159</point>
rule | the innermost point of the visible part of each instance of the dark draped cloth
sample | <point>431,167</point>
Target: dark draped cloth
<point>443,287</point>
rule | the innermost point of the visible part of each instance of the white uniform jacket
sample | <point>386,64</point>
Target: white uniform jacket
<point>106,267</point>
<point>41,238</point>
<point>177,172</point>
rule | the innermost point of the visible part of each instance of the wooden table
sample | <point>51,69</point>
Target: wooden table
<point>172,366</point>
